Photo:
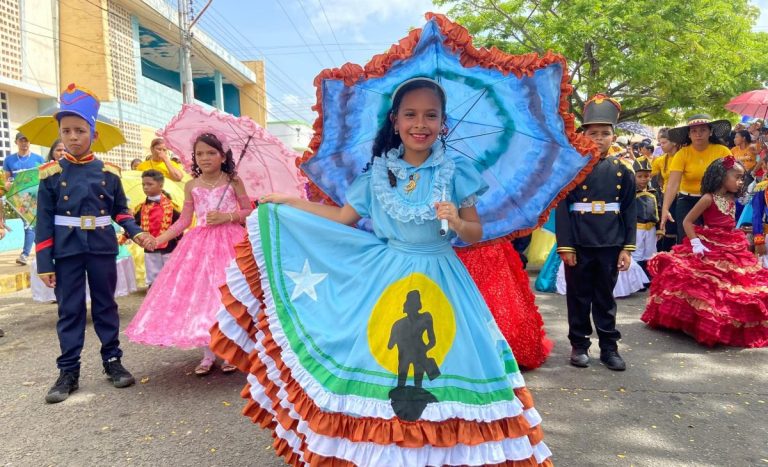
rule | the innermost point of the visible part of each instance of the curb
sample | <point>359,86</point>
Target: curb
<point>10,283</point>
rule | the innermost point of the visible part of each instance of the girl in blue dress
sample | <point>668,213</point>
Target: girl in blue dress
<point>378,349</point>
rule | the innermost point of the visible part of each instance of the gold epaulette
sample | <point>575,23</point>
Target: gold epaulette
<point>46,170</point>
<point>762,186</point>
<point>112,168</point>
<point>628,164</point>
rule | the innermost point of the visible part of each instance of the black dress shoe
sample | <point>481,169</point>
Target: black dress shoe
<point>580,357</point>
<point>613,360</point>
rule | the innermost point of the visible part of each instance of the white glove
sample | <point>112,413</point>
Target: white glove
<point>698,247</point>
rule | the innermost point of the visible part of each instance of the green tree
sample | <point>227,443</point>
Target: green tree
<point>660,58</point>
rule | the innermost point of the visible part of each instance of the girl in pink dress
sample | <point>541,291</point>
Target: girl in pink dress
<point>181,305</point>
<point>711,286</point>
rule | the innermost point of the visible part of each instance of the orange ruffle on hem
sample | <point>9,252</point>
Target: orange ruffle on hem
<point>458,39</point>
<point>357,429</point>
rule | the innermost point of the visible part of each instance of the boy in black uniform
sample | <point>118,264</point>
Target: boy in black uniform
<point>78,198</point>
<point>647,207</point>
<point>595,237</point>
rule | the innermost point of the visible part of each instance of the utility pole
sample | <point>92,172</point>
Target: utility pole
<point>186,21</point>
<point>185,48</point>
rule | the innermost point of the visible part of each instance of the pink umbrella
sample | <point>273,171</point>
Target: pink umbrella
<point>264,163</point>
<point>752,103</point>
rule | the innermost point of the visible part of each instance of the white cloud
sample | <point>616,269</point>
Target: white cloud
<point>351,16</point>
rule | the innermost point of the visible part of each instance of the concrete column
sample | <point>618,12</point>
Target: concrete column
<point>218,87</point>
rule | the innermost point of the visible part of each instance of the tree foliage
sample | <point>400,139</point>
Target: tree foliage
<point>661,58</point>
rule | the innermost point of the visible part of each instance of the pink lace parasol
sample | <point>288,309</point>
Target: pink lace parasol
<point>266,166</point>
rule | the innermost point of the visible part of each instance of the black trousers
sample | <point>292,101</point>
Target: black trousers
<point>589,291</point>
<point>101,271</point>
<point>684,205</point>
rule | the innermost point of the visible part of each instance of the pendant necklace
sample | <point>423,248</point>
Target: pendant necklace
<point>212,185</point>
<point>411,185</point>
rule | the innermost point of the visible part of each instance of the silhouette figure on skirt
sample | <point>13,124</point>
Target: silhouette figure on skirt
<point>407,334</point>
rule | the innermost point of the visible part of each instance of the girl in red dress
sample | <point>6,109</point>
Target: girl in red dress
<point>711,286</point>
<point>499,274</point>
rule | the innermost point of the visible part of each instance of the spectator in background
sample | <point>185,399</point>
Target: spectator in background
<point>660,168</point>
<point>23,159</point>
<point>160,160</point>
<point>742,139</point>
<point>135,164</point>
<point>57,151</point>
<point>755,127</point>
<point>702,144</point>
<point>646,150</point>
<point>659,151</point>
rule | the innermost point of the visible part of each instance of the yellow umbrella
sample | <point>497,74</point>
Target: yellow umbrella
<point>132,186</point>
<point>44,129</point>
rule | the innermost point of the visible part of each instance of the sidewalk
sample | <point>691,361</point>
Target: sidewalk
<point>13,277</point>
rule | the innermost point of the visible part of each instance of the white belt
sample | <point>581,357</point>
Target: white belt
<point>685,193</point>
<point>595,207</point>
<point>84,222</point>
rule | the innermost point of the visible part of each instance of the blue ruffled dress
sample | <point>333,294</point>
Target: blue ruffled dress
<point>375,348</point>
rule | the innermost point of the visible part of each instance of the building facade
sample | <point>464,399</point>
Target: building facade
<point>125,51</point>
<point>295,134</point>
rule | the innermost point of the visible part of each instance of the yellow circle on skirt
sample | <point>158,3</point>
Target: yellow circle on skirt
<point>389,310</point>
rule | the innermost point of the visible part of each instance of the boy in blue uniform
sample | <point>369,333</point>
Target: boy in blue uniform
<point>595,228</point>
<point>760,220</point>
<point>78,198</point>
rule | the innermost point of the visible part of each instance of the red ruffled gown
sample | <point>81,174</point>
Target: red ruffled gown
<point>499,274</point>
<point>718,298</point>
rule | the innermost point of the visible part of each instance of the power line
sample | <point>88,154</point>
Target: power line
<point>263,106</point>
<point>333,33</point>
<point>290,20</point>
<point>286,83</point>
<point>312,25</point>
<point>205,59</point>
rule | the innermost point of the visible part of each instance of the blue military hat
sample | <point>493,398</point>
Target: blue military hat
<point>76,100</point>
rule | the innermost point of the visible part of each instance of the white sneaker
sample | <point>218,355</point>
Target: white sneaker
<point>22,259</point>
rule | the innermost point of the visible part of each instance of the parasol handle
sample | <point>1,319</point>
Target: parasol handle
<point>237,164</point>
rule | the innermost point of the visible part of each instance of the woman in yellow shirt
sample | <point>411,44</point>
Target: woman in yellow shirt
<point>161,161</point>
<point>660,169</point>
<point>742,139</point>
<point>701,141</point>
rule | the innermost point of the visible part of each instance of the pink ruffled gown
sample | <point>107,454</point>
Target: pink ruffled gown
<point>181,305</point>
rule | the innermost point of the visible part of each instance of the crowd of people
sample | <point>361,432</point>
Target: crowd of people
<point>660,216</point>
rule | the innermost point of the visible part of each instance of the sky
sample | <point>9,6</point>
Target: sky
<point>297,42</point>
<point>299,38</point>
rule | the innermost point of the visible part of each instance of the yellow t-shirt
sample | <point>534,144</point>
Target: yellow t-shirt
<point>693,164</point>
<point>660,167</point>
<point>159,166</point>
<point>747,159</point>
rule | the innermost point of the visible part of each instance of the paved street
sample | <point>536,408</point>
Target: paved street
<point>678,404</point>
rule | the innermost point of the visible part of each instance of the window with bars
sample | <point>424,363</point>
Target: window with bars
<point>10,39</point>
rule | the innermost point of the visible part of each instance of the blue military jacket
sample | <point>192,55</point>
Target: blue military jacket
<point>76,188</point>
<point>760,209</point>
